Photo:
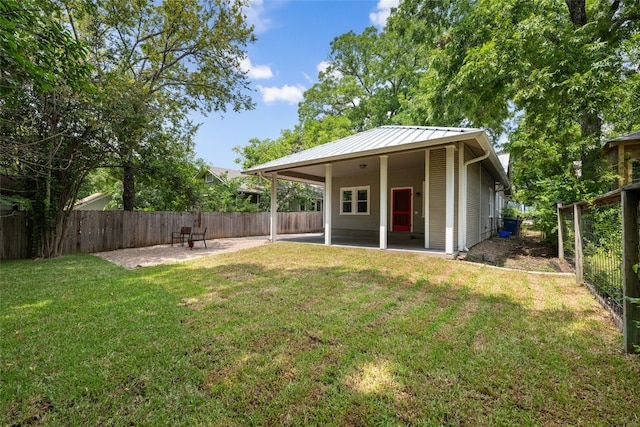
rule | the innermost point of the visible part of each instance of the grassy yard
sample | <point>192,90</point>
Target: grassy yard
<point>291,334</point>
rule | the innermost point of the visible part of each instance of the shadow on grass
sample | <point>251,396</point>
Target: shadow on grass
<point>346,339</point>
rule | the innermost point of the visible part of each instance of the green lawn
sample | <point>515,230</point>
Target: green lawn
<point>290,334</point>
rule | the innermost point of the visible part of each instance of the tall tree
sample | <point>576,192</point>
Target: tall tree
<point>366,77</point>
<point>48,126</point>
<point>162,59</point>
<point>550,71</point>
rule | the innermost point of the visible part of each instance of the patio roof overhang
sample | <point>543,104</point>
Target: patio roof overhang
<point>399,142</point>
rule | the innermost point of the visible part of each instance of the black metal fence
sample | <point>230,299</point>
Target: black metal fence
<point>600,238</point>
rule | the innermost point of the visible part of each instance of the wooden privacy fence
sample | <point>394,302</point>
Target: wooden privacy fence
<point>601,238</point>
<point>98,231</point>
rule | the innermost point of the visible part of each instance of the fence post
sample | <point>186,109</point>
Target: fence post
<point>631,284</point>
<point>577,225</point>
<point>560,236</point>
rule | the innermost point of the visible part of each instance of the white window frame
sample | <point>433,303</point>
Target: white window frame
<point>208,178</point>
<point>354,200</point>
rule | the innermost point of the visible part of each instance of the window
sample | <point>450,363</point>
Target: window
<point>208,178</point>
<point>354,201</point>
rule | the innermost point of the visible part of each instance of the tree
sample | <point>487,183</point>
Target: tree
<point>366,78</point>
<point>550,73</point>
<point>48,126</point>
<point>160,60</point>
<point>167,166</point>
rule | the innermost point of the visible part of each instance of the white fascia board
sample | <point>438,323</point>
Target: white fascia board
<point>267,170</point>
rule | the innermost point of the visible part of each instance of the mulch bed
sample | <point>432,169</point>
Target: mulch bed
<point>525,252</point>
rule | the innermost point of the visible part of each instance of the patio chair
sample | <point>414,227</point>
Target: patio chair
<point>197,236</point>
<point>180,235</point>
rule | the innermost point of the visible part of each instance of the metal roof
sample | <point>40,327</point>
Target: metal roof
<point>380,139</point>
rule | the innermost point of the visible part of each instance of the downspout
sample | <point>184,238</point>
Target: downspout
<point>463,206</point>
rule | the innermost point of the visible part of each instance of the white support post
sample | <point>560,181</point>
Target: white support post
<point>274,207</point>
<point>328,194</point>
<point>462,199</point>
<point>425,196</point>
<point>449,205</point>
<point>383,200</point>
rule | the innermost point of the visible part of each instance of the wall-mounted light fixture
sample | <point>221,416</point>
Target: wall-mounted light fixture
<point>363,165</point>
<point>417,194</point>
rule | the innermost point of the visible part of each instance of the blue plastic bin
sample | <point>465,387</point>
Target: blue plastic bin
<point>510,225</point>
<point>504,234</point>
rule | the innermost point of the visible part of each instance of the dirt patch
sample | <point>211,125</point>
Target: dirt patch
<point>525,252</point>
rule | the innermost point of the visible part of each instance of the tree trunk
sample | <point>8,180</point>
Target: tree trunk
<point>590,122</point>
<point>128,186</point>
<point>577,12</point>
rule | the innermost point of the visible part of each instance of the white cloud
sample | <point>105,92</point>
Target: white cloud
<point>256,72</point>
<point>307,77</point>
<point>286,93</point>
<point>256,16</point>
<point>324,66</point>
<point>383,11</point>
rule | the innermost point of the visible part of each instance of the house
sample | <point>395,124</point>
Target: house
<point>93,202</point>
<point>443,185</point>
<point>14,193</point>
<point>623,156</point>
<point>213,175</point>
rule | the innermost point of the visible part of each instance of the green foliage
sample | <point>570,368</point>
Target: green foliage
<point>49,123</point>
<point>227,195</point>
<point>38,50</point>
<point>366,78</point>
<point>549,78</point>
<point>155,62</point>
<point>511,212</point>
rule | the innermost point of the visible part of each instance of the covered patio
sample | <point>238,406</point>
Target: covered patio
<point>432,189</point>
<point>395,242</point>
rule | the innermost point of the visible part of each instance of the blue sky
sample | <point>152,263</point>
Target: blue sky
<point>294,39</point>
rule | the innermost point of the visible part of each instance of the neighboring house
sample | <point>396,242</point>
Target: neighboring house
<point>446,184</point>
<point>623,155</point>
<point>213,175</point>
<point>13,193</point>
<point>94,202</point>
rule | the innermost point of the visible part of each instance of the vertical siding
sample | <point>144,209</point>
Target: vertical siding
<point>485,203</point>
<point>473,203</point>
<point>437,199</point>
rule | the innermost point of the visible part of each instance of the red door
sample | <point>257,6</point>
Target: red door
<point>401,212</point>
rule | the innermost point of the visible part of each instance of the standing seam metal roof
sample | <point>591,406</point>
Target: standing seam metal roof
<point>368,141</point>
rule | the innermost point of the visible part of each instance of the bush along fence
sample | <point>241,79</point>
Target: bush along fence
<point>601,239</point>
<point>98,231</point>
